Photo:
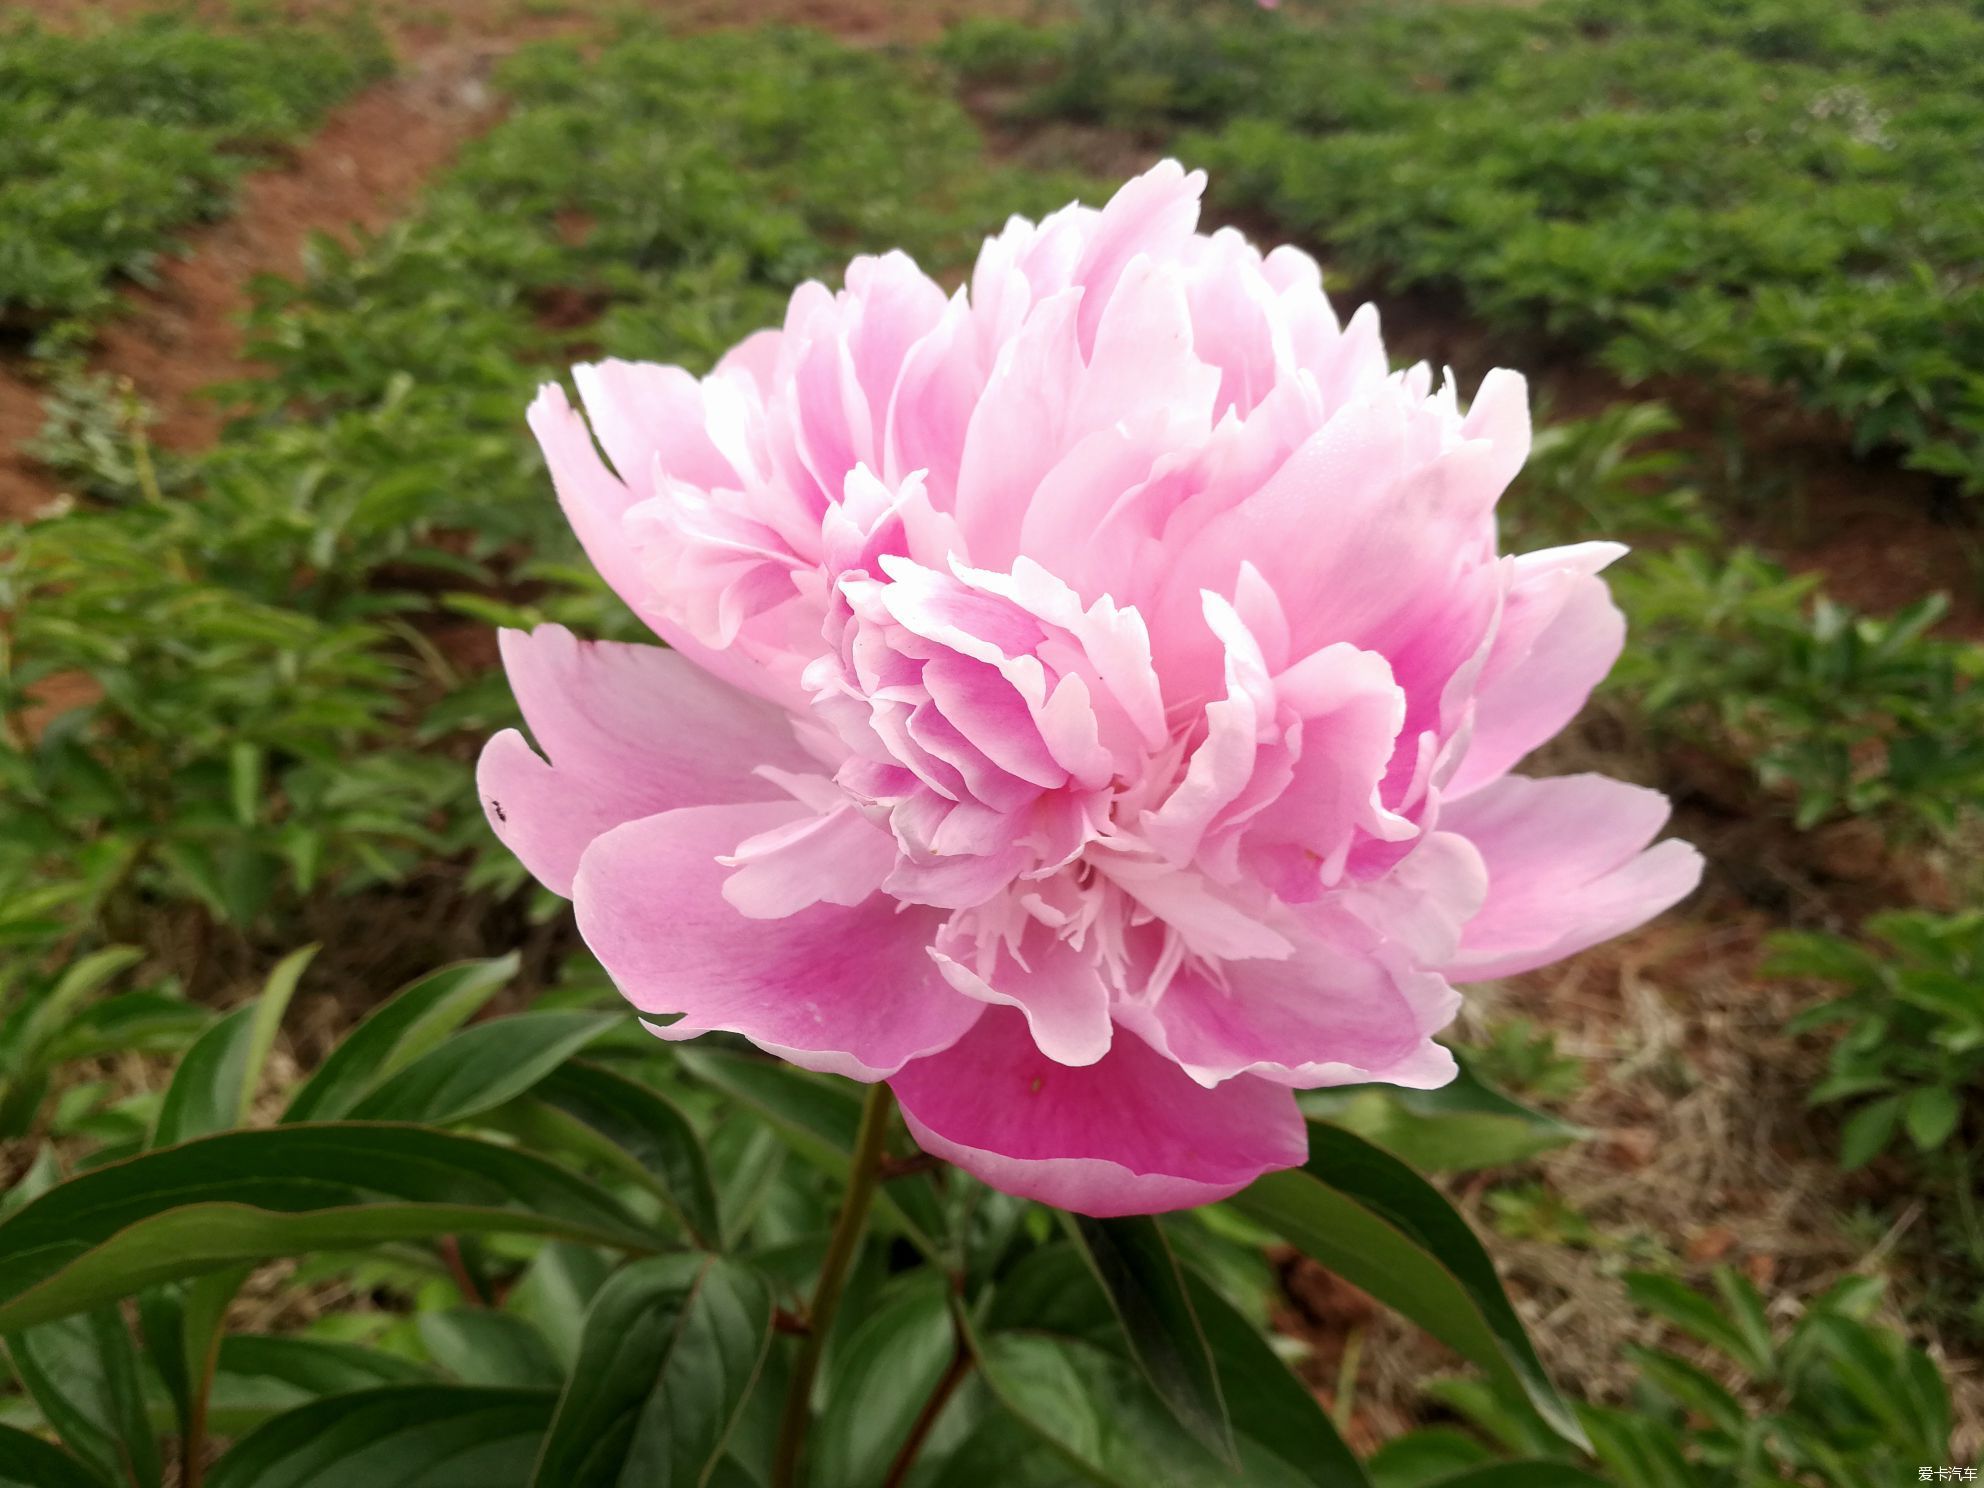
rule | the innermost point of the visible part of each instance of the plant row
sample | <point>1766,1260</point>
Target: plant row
<point>112,140</point>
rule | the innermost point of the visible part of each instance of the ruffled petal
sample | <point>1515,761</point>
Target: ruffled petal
<point>847,990</point>
<point>1131,1134</point>
<point>1568,866</point>
<point>1333,1013</point>
<point>627,731</point>
<point>1558,637</point>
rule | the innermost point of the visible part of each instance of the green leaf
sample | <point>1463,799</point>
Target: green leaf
<point>182,1324</point>
<point>1146,1289</point>
<point>83,1373</point>
<point>670,1350</point>
<point>1372,1220</point>
<point>1424,1457</point>
<point>482,1066</point>
<point>1698,1317</point>
<point>1534,1474</point>
<point>412,1022</point>
<point>37,1026</point>
<point>29,1462</point>
<point>1270,1407</point>
<point>817,1116</point>
<point>877,1383</point>
<point>1094,1408</point>
<point>649,1129</point>
<point>1462,1126</point>
<point>249,1196</point>
<point>479,1346</point>
<point>260,1375</point>
<point>1932,1116</point>
<point>1868,1131</point>
<point>215,1082</point>
<point>398,1436</point>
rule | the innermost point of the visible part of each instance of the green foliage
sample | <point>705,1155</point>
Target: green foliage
<point>229,684</point>
<point>1910,1017</point>
<point>112,139</point>
<point>574,1300</point>
<point>1843,712</point>
<point>1834,1400</point>
<point>1661,180</point>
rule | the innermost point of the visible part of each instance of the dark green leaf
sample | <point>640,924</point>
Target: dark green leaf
<point>1462,1126</point>
<point>1270,1407</point>
<point>1372,1220</point>
<point>481,1067</point>
<point>1095,1409</point>
<point>1422,1458</point>
<point>398,1436</point>
<point>216,1080</point>
<point>83,1373</point>
<point>29,1462</point>
<point>649,1128</point>
<point>670,1350</point>
<point>1524,1475</point>
<point>479,1346</point>
<point>396,1033</point>
<point>878,1382</point>
<point>818,1116</point>
<point>247,1196</point>
<point>1146,1288</point>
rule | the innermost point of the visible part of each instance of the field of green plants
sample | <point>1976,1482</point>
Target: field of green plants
<point>329,1157</point>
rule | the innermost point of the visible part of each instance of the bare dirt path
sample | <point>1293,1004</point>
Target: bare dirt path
<point>362,169</point>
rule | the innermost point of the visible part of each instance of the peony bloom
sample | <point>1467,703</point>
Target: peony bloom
<point>1089,705</point>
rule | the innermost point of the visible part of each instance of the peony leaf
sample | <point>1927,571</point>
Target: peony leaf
<point>82,1372</point>
<point>396,1033</point>
<point>1379,1225</point>
<point>1146,1289</point>
<point>1094,1408</point>
<point>397,1434</point>
<point>249,1196</point>
<point>817,1116</point>
<point>879,1380</point>
<point>671,1348</point>
<point>481,1346</point>
<point>1269,1405</point>
<point>1460,1127</point>
<point>644,1124</point>
<point>29,1462</point>
<point>215,1082</point>
<point>483,1066</point>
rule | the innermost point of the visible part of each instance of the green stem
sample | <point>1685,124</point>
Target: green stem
<point>863,1173</point>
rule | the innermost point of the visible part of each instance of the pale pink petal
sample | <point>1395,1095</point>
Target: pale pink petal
<point>642,413</point>
<point>1568,866</point>
<point>838,856</point>
<point>628,731</point>
<point>1131,1134</point>
<point>845,990</point>
<point>1336,1012</point>
<point>596,504</point>
<point>1061,993</point>
<point>1559,634</point>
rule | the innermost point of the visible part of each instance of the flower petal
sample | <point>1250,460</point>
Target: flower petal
<point>845,990</point>
<point>1337,1012</point>
<point>628,731</point>
<point>1558,637</point>
<point>1131,1134</point>
<point>1566,868</point>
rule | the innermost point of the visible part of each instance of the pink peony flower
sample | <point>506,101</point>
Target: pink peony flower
<point>1089,708</point>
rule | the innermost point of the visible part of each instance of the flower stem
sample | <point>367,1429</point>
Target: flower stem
<point>864,1171</point>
